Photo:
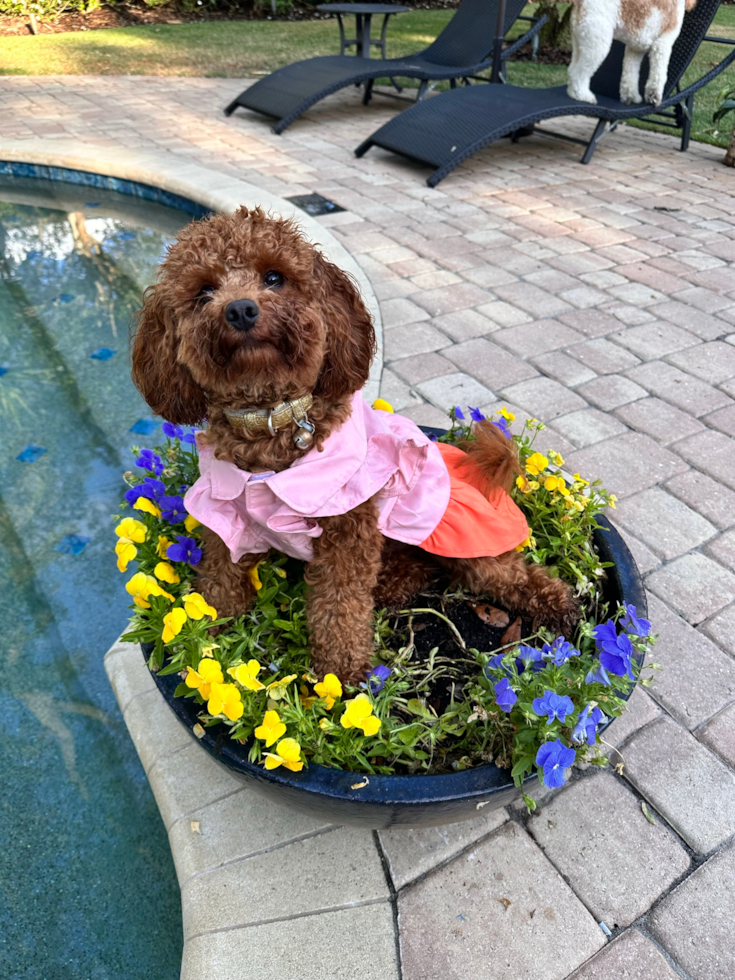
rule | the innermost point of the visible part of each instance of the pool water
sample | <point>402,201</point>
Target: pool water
<point>89,890</point>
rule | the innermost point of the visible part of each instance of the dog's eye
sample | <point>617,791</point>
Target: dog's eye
<point>272,279</point>
<point>205,294</point>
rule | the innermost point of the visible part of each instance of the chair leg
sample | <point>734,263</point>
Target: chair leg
<point>600,131</point>
<point>687,111</point>
<point>367,94</point>
<point>422,90</point>
<point>231,107</point>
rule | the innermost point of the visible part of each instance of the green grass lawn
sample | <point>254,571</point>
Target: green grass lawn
<point>247,48</point>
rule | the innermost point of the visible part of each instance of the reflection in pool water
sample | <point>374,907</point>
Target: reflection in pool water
<point>89,891</point>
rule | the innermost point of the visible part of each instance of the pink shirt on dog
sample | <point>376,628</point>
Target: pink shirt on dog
<point>374,454</point>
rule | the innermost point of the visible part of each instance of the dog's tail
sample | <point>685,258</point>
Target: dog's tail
<point>494,455</point>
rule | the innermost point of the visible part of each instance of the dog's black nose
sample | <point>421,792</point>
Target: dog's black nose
<point>242,314</point>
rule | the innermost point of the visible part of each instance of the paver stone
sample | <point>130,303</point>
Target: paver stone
<point>629,957</point>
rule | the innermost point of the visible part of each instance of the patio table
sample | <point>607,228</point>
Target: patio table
<point>363,13</point>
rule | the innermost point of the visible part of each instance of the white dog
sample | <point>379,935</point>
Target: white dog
<point>643,26</point>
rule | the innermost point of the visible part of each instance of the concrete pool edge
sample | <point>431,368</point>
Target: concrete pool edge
<point>210,188</point>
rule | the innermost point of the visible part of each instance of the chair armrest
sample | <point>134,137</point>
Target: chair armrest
<point>538,23</point>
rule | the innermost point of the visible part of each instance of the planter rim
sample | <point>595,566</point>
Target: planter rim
<point>402,791</point>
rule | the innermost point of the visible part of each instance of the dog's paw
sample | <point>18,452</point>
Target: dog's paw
<point>653,95</point>
<point>630,95</point>
<point>581,94</point>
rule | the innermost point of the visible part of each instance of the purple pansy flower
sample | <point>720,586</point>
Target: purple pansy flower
<point>458,413</point>
<point>554,757</point>
<point>503,426</point>
<point>476,415</point>
<point>174,431</point>
<point>186,549</point>
<point>631,624</point>
<point>150,488</point>
<point>433,437</point>
<point>586,727</point>
<point>615,649</point>
<point>148,460</point>
<point>559,651</point>
<point>173,510</point>
<point>377,678</point>
<point>598,675</point>
<point>554,705</point>
<point>505,695</point>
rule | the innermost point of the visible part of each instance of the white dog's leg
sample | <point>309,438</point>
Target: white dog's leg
<point>658,61</point>
<point>630,76</point>
<point>592,36</point>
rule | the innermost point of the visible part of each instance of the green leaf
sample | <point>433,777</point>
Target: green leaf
<point>284,624</point>
<point>181,690</point>
<point>417,708</point>
<point>523,765</point>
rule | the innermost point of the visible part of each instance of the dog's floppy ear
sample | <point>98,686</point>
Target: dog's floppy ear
<point>166,385</point>
<point>350,335</point>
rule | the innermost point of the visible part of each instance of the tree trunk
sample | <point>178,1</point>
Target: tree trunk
<point>729,160</point>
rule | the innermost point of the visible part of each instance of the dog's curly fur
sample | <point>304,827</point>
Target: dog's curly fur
<point>312,335</point>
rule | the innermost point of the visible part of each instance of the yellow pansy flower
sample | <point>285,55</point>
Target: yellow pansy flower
<point>126,552</point>
<point>247,675</point>
<point>506,414</point>
<point>163,543</point>
<point>209,672</point>
<point>225,699</point>
<point>359,714</point>
<point>530,542</point>
<point>271,729</point>
<point>255,578</point>
<point>556,457</point>
<point>191,523</point>
<point>208,651</point>
<point>172,624</point>
<point>329,689</point>
<point>147,506</point>
<point>581,480</point>
<point>131,530</point>
<point>142,586</point>
<point>288,754</point>
<point>612,500</point>
<point>556,483</point>
<point>166,573</point>
<point>307,700</point>
<point>382,405</point>
<point>574,502</point>
<point>196,606</point>
<point>536,463</point>
<point>277,689</point>
<point>325,724</point>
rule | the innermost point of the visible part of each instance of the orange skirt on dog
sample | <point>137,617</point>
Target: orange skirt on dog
<point>474,525</point>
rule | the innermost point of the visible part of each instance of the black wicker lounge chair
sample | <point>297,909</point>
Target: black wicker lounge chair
<point>462,50</point>
<point>448,128</point>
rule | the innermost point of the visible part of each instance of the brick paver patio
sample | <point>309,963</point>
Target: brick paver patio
<point>602,300</point>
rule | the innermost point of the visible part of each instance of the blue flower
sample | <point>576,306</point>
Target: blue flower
<point>559,651</point>
<point>433,437</point>
<point>554,757</point>
<point>503,426</point>
<point>377,678</point>
<point>598,675</point>
<point>631,623</point>
<point>531,657</point>
<point>586,727</point>
<point>150,488</point>
<point>148,460</point>
<point>186,550</point>
<point>505,695</point>
<point>458,413</point>
<point>615,650</point>
<point>554,705</point>
<point>174,431</point>
<point>476,415</point>
<point>173,510</point>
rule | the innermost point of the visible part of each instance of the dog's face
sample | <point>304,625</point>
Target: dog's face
<point>247,312</point>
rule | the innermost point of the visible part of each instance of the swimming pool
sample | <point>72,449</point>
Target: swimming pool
<point>89,886</point>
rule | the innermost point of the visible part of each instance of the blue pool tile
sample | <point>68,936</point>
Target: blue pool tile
<point>144,427</point>
<point>31,453</point>
<point>34,254</point>
<point>91,204</point>
<point>66,297</point>
<point>3,369</point>
<point>72,544</point>
<point>103,353</point>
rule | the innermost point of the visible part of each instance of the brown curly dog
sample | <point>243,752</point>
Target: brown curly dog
<point>247,315</point>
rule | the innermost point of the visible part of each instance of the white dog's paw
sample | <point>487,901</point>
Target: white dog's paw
<point>653,95</point>
<point>630,96</point>
<point>581,95</point>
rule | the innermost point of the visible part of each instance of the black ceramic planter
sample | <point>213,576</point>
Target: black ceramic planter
<point>388,801</point>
